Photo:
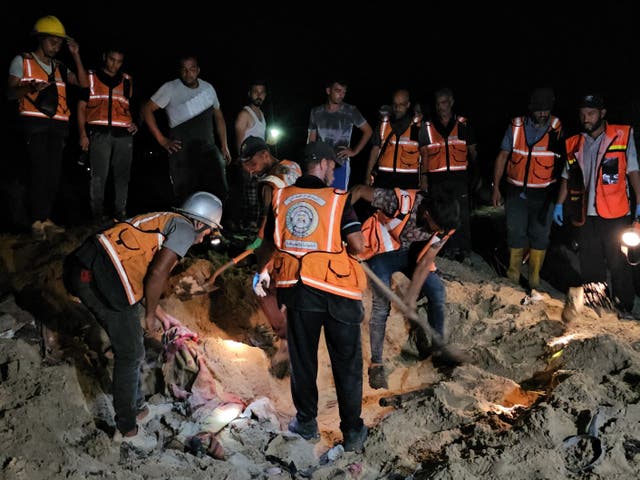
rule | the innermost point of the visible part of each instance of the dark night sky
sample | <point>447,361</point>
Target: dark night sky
<point>491,63</point>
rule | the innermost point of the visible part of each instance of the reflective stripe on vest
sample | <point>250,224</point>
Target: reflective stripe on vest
<point>400,155</point>
<point>538,170</point>
<point>446,154</point>
<point>32,70</point>
<point>131,247</point>
<point>611,199</point>
<point>100,97</point>
<point>382,233</point>
<point>309,245</point>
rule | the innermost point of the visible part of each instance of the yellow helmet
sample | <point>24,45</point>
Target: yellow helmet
<point>49,25</point>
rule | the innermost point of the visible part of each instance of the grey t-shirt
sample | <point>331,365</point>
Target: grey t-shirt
<point>531,131</point>
<point>15,67</point>
<point>180,235</point>
<point>183,103</point>
<point>335,128</point>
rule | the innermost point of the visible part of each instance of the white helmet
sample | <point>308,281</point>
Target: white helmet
<point>203,207</point>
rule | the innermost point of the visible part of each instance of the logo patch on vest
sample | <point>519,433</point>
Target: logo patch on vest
<point>302,221</point>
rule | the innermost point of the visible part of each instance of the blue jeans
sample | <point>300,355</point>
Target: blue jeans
<point>384,265</point>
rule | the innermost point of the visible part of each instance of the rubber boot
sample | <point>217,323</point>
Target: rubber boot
<point>536,259</point>
<point>515,260</point>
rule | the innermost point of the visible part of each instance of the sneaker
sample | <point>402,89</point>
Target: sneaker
<point>307,430</point>
<point>377,377</point>
<point>353,440</point>
<point>37,229</point>
<point>142,440</point>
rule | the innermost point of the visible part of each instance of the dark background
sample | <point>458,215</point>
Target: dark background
<point>490,55</point>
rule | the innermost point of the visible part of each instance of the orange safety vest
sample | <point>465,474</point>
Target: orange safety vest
<point>532,167</point>
<point>611,196</point>
<point>32,70</point>
<point>109,107</point>
<point>381,232</point>
<point>132,245</point>
<point>446,154</point>
<point>308,243</point>
<point>399,154</point>
<point>282,174</point>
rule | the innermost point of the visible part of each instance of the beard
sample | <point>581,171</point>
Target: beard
<point>257,102</point>
<point>593,127</point>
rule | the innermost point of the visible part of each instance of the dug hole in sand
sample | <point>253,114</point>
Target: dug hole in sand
<point>521,409</point>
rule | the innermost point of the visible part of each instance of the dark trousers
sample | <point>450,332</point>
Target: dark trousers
<point>599,240</point>
<point>115,153</point>
<point>198,167</point>
<point>528,217</point>
<point>345,351</point>
<point>45,149</point>
<point>461,239</point>
<point>126,335</point>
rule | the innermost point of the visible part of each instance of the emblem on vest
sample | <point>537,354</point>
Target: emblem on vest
<point>301,221</point>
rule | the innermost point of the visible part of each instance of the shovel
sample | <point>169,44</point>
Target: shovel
<point>209,285</point>
<point>404,308</point>
<point>447,355</point>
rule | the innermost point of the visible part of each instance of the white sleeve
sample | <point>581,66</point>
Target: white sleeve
<point>163,96</point>
<point>15,67</point>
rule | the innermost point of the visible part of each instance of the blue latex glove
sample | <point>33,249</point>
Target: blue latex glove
<point>637,212</point>
<point>260,282</point>
<point>558,216</point>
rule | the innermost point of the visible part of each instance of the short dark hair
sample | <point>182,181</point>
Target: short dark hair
<point>256,82</point>
<point>187,56</point>
<point>114,48</point>
<point>339,81</point>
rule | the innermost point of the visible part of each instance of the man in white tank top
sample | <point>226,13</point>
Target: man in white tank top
<point>250,122</point>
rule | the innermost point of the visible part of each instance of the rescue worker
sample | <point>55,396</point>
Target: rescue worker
<point>272,174</point>
<point>395,156</point>
<point>39,83</point>
<point>533,152</point>
<point>593,196</point>
<point>405,222</point>
<point>127,265</point>
<point>106,131</point>
<point>321,286</point>
<point>449,158</point>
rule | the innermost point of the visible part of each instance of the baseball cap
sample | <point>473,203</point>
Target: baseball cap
<point>591,100</point>
<point>541,99</point>
<point>316,151</point>
<point>250,146</point>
